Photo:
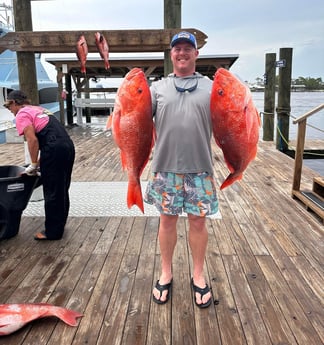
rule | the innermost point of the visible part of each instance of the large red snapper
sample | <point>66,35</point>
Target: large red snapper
<point>235,122</point>
<point>132,127</point>
<point>15,316</point>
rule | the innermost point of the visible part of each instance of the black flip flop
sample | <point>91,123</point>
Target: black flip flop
<point>162,288</point>
<point>202,292</point>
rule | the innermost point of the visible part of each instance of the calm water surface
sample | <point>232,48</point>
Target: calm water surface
<point>301,103</point>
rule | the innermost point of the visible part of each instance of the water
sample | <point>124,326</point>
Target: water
<point>301,103</point>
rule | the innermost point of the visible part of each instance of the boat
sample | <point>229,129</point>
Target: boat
<point>9,78</point>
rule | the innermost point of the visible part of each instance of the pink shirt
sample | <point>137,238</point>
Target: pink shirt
<point>31,115</point>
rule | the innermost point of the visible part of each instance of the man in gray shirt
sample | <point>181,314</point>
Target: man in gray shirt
<point>182,172</point>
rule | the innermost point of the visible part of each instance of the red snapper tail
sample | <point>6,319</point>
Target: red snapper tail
<point>66,315</point>
<point>231,178</point>
<point>134,194</point>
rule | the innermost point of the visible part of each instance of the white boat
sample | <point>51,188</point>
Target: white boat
<point>9,78</point>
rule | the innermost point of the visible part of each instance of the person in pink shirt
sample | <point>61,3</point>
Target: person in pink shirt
<point>52,152</point>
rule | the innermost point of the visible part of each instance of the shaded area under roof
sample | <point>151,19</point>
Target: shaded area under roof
<point>153,66</point>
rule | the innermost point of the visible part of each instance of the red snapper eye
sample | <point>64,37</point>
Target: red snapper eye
<point>220,92</point>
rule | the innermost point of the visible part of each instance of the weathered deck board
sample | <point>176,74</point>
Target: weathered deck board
<point>264,264</point>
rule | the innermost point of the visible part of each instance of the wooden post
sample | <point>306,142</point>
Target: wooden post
<point>299,154</point>
<point>87,96</point>
<point>283,109</point>
<point>59,80</point>
<point>69,107</point>
<point>269,96</point>
<point>26,60</point>
<point>172,19</point>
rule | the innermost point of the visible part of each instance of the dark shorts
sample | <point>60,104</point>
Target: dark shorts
<point>172,194</point>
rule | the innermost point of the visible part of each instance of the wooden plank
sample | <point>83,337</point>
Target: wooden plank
<point>303,294</point>
<point>207,328</point>
<point>274,320</point>
<point>318,186</point>
<point>183,325</point>
<point>242,212</point>
<point>283,280</point>
<point>82,292</point>
<point>296,318</point>
<point>63,288</point>
<point>260,210</point>
<point>312,277</point>
<point>160,321</point>
<point>115,316</point>
<point>253,326</point>
<point>136,325</point>
<point>224,242</point>
<point>227,327</point>
<point>303,231</point>
<point>153,40</point>
<point>94,314</point>
<point>228,321</point>
<point>309,204</point>
<point>41,331</point>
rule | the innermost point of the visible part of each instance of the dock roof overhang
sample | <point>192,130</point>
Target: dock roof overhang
<point>153,66</point>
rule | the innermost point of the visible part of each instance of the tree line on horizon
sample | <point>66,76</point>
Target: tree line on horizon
<point>309,83</point>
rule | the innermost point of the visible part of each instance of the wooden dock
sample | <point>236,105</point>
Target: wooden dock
<point>264,263</point>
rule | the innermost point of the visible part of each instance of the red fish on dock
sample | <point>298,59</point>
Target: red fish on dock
<point>236,123</point>
<point>103,48</point>
<point>82,52</point>
<point>15,316</point>
<point>132,129</point>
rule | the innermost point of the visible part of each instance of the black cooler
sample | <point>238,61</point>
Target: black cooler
<point>15,192</point>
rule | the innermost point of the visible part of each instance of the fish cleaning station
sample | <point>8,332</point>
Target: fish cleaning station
<point>265,254</point>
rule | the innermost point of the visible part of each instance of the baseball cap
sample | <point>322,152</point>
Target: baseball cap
<point>15,95</point>
<point>184,36</point>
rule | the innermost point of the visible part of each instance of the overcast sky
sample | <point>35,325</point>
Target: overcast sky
<point>250,28</point>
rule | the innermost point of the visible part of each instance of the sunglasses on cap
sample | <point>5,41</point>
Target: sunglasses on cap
<point>8,103</point>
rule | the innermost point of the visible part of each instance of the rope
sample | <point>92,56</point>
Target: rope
<point>265,113</point>
<point>283,138</point>
<point>318,129</point>
<point>293,148</point>
<point>286,111</point>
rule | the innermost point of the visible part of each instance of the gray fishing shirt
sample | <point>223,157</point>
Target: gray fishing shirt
<point>183,124</point>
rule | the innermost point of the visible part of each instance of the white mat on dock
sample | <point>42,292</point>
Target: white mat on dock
<point>99,199</point>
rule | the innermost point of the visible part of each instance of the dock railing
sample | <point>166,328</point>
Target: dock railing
<point>99,103</point>
<point>314,200</point>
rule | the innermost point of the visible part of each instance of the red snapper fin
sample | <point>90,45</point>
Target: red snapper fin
<point>134,194</point>
<point>123,160</point>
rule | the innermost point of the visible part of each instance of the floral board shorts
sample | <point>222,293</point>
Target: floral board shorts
<point>172,193</point>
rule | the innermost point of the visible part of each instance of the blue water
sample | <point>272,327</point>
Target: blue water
<point>301,103</point>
